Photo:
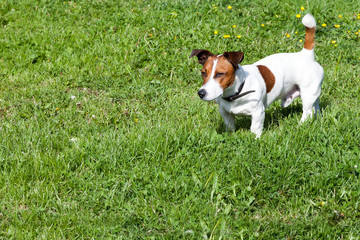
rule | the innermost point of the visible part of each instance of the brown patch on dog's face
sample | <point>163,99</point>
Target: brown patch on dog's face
<point>207,69</point>
<point>268,77</point>
<point>227,72</point>
<point>224,72</point>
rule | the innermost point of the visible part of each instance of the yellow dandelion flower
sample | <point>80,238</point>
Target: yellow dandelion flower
<point>263,25</point>
<point>337,25</point>
<point>300,40</point>
<point>215,32</point>
<point>357,33</point>
<point>358,17</point>
<point>302,8</point>
<point>287,35</point>
<point>57,109</point>
<point>340,16</point>
<point>238,36</point>
<point>335,45</point>
<point>323,25</point>
<point>298,15</point>
<point>322,203</point>
<point>175,37</point>
<point>234,26</point>
<point>333,41</point>
<point>229,7</point>
<point>226,36</point>
<point>150,35</point>
<point>296,32</point>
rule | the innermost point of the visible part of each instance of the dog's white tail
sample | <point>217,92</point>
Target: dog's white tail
<point>310,24</point>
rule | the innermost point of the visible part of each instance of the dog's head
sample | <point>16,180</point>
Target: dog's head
<point>218,72</point>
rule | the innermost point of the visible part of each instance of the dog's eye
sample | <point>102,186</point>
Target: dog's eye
<point>203,74</point>
<point>219,75</point>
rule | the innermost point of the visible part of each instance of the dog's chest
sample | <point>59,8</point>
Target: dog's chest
<point>236,107</point>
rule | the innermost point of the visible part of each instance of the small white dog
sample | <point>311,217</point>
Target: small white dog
<point>249,89</point>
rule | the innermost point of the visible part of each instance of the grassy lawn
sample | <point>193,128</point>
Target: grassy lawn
<point>103,136</point>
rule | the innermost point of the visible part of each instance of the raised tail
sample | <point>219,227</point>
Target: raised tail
<point>310,24</point>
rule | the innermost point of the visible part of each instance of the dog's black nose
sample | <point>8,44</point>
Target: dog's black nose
<point>202,93</point>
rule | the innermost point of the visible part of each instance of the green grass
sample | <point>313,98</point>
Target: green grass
<point>136,154</point>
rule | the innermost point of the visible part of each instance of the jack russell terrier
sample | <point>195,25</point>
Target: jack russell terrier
<point>249,89</point>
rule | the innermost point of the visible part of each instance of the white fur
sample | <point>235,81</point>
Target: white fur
<point>296,74</point>
<point>309,21</point>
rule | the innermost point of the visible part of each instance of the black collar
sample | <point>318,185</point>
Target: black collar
<point>238,94</point>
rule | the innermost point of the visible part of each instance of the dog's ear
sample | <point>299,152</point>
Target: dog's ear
<point>201,54</point>
<point>234,58</point>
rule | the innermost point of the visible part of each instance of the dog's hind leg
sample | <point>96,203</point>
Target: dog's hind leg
<point>310,102</point>
<point>310,91</point>
<point>317,107</point>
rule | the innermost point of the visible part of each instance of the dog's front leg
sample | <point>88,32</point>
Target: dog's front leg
<point>228,118</point>
<point>257,121</point>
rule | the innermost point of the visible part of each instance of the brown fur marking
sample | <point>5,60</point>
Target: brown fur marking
<point>309,38</point>
<point>222,66</point>
<point>268,77</point>
<point>208,65</point>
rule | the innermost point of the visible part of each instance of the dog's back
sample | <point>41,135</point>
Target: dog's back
<point>294,71</point>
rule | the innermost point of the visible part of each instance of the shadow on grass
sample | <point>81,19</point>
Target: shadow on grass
<point>273,116</point>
